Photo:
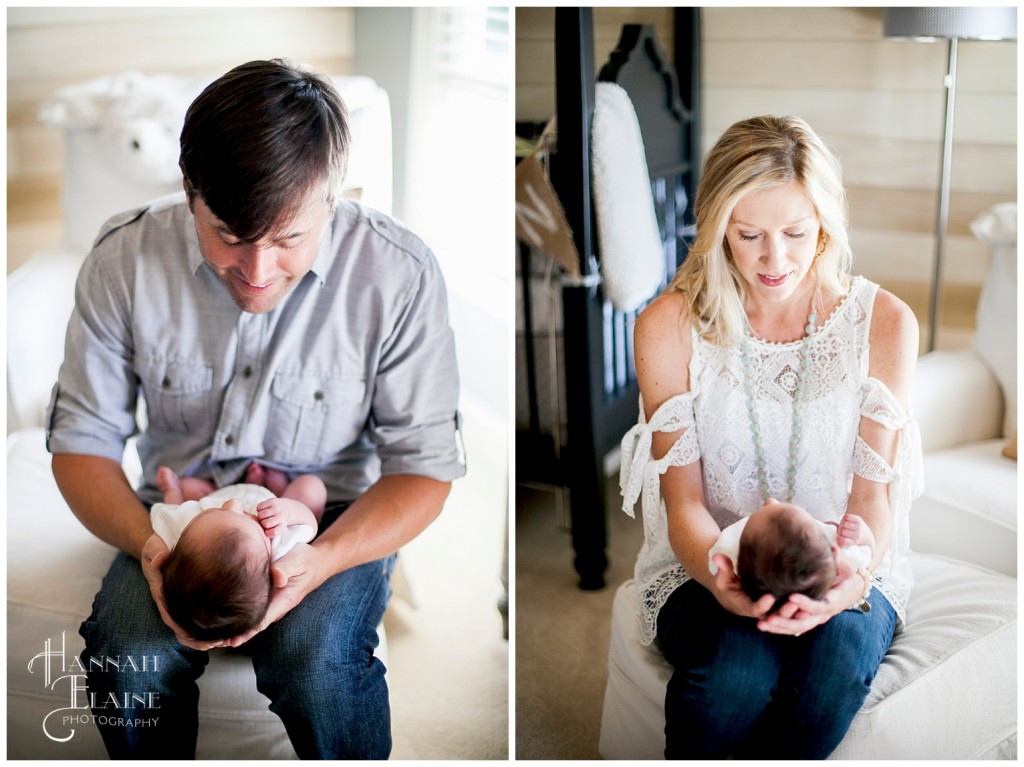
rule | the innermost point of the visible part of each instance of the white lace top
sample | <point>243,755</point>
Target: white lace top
<point>715,430</point>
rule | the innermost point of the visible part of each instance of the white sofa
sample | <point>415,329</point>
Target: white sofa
<point>947,689</point>
<point>54,565</point>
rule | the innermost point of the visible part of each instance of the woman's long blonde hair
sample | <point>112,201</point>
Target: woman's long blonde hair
<point>759,153</point>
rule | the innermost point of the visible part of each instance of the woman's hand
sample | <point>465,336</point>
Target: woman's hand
<point>801,613</point>
<point>154,554</point>
<point>730,594</point>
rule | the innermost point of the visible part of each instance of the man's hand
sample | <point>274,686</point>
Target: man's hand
<point>154,555</point>
<point>395,509</point>
<point>294,576</point>
<point>730,594</point>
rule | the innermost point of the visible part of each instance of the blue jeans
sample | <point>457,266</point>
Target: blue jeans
<point>316,665</point>
<point>739,692</point>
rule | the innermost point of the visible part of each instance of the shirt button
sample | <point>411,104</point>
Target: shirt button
<point>247,373</point>
<point>166,383</point>
<point>318,396</point>
<point>229,440</point>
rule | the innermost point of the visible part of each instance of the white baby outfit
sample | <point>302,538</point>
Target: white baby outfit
<point>170,519</point>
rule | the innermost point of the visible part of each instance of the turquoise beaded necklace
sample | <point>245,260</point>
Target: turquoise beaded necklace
<point>798,405</point>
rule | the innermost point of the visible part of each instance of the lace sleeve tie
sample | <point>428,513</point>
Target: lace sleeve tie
<point>906,477</point>
<point>640,472</point>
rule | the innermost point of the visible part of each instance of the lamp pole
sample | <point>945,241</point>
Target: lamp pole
<point>952,25</point>
<point>942,218</point>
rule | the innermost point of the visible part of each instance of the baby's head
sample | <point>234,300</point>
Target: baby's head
<point>216,580</point>
<point>784,550</point>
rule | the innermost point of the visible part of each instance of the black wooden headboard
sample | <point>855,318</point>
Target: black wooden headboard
<point>596,361</point>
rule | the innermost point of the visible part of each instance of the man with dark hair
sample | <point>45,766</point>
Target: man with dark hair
<point>259,317</point>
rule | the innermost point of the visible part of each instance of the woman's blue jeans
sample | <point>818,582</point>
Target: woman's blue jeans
<point>316,664</point>
<point>742,693</point>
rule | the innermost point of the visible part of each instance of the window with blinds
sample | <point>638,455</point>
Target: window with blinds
<point>473,47</point>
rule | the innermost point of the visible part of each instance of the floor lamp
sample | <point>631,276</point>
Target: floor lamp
<point>952,25</point>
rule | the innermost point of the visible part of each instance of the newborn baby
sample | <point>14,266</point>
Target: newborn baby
<point>781,549</point>
<point>216,580</point>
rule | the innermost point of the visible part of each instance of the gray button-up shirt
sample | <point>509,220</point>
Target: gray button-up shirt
<point>352,375</point>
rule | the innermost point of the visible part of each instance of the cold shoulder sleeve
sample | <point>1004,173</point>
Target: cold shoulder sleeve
<point>905,477</point>
<point>640,472</point>
<point>879,405</point>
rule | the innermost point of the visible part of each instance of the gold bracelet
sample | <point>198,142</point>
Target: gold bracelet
<point>868,577</point>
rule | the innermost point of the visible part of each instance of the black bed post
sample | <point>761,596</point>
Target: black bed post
<point>686,57</point>
<point>574,87</point>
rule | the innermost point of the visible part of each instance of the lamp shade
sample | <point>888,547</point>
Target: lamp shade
<point>944,23</point>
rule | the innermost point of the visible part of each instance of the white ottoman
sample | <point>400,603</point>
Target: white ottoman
<point>947,688</point>
<point>54,569</point>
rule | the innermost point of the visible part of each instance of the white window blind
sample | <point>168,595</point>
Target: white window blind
<point>473,46</point>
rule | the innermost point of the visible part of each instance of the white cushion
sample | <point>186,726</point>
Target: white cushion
<point>995,339</point>
<point>946,689</point>
<point>632,255</point>
<point>54,569</point>
<point>955,399</point>
<point>633,717</point>
<point>40,298</point>
<point>968,510</point>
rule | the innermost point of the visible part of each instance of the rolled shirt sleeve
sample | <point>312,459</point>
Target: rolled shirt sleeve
<point>414,415</point>
<point>92,410</point>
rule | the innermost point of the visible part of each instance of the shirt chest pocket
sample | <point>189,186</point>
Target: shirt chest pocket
<point>177,395</point>
<point>314,417</point>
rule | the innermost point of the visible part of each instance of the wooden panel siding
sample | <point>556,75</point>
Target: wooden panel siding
<point>535,50</point>
<point>879,103</point>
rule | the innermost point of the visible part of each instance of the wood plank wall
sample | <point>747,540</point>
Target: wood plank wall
<point>535,50</point>
<point>49,48</point>
<point>878,102</point>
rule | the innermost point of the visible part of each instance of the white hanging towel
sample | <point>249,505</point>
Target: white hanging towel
<point>631,253</point>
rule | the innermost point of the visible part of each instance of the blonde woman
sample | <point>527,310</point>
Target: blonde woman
<point>767,371</point>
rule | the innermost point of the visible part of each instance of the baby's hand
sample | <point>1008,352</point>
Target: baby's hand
<point>850,531</point>
<point>273,515</point>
